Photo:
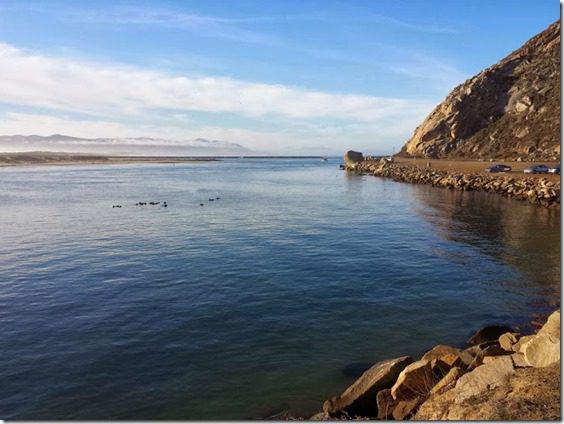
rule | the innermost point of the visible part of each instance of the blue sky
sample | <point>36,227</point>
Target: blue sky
<point>275,76</point>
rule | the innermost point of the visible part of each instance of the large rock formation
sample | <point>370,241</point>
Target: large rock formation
<point>352,159</point>
<point>509,110</point>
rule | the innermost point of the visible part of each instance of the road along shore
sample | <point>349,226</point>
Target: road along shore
<point>543,191</point>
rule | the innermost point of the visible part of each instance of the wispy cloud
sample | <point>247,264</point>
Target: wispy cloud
<point>232,27</point>
<point>428,68</point>
<point>410,26</point>
<point>217,27</point>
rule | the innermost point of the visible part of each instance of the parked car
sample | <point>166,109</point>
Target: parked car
<point>498,168</point>
<point>537,169</point>
<point>555,170</point>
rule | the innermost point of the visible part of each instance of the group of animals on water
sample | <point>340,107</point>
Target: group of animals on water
<point>211,200</point>
<point>163,204</point>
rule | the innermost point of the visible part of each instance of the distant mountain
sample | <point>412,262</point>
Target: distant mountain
<point>136,146</point>
<point>509,110</point>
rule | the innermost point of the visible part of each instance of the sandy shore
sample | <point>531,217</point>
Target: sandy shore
<point>59,159</point>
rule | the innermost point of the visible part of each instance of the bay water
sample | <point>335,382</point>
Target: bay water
<point>263,302</point>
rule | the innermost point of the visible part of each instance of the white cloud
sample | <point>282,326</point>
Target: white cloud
<point>104,90</point>
<point>124,101</point>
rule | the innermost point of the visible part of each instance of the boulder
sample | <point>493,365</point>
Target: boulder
<point>467,356</point>
<point>452,360</point>
<point>522,343</point>
<point>443,365</point>
<point>445,382</point>
<point>530,395</point>
<point>351,158</point>
<point>489,333</point>
<point>483,378</point>
<point>552,326</point>
<point>508,340</point>
<point>386,404</point>
<point>439,351</point>
<point>360,398</point>
<point>542,351</point>
<point>493,350</point>
<point>406,408</point>
<point>519,360</point>
<point>320,416</point>
<point>415,380</point>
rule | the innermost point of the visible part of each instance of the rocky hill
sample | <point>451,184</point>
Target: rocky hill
<point>509,110</point>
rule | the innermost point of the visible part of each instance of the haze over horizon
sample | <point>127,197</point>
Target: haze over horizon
<point>273,77</point>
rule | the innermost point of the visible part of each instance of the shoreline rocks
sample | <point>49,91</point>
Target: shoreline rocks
<point>352,159</point>
<point>539,191</point>
<point>449,383</point>
<point>359,398</point>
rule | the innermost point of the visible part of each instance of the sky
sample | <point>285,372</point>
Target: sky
<point>278,77</point>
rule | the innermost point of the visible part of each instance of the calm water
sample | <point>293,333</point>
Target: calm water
<point>270,299</point>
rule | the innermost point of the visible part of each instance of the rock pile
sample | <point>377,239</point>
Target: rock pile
<point>426,389</point>
<point>539,191</point>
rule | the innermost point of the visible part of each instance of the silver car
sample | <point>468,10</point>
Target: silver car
<point>537,169</point>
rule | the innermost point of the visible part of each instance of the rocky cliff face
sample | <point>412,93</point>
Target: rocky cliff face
<point>509,110</point>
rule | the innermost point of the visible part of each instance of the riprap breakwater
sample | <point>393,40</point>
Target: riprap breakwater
<point>539,191</point>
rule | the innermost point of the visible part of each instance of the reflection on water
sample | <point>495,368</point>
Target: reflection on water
<point>512,231</point>
<point>272,298</point>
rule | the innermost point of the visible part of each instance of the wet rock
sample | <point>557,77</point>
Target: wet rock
<point>489,333</point>
<point>360,398</point>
